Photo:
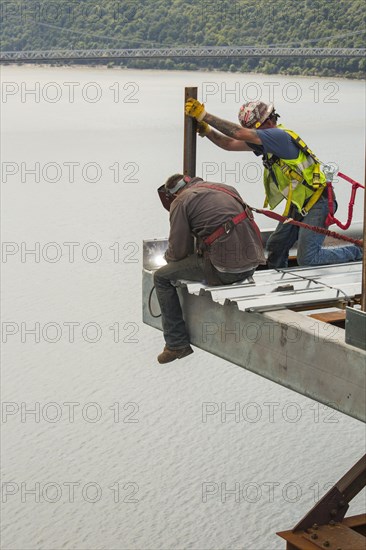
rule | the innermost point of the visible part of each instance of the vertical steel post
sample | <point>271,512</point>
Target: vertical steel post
<point>363,297</point>
<point>190,137</point>
<point>190,143</point>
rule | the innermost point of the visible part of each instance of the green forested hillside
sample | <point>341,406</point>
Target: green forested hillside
<point>47,24</point>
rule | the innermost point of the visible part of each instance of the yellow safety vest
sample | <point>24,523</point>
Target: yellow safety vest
<point>296,180</point>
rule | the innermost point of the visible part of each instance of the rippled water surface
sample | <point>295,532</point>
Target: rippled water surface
<point>102,447</point>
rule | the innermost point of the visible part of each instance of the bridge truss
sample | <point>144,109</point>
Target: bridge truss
<point>179,52</point>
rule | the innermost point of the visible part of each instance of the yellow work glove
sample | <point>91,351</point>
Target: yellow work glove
<point>195,109</point>
<point>203,128</point>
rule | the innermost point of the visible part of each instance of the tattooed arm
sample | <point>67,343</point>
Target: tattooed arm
<point>234,133</point>
<point>227,143</point>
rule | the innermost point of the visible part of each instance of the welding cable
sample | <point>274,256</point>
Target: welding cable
<point>149,304</point>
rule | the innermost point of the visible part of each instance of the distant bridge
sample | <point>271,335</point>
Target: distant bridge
<point>179,52</point>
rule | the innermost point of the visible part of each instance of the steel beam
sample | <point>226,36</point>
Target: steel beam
<point>190,137</point>
<point>289,348</point>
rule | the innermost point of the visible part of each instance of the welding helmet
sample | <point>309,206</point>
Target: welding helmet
<point>166,194</point>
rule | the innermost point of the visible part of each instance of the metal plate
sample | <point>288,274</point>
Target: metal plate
<point>356,328</point>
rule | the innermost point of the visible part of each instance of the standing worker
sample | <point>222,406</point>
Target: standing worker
<point>291,172</point>
<point>229,249</point>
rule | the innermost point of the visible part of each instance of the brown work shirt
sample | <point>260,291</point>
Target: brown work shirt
<point>200,211</point>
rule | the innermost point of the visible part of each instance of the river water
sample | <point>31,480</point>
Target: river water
<point>102,447</point>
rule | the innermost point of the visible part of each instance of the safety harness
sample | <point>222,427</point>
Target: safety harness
<point>291,174</point>
<point>228,226</point>
<point>329,173</point>
<point>225,228</point>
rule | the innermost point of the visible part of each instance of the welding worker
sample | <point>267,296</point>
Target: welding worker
<point>229,249</point>
<point>291,172</point>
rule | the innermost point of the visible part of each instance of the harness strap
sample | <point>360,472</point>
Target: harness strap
<point>289,200</point>
<point>307,151</point>
<point>313,199</point>
<point>302,145</point>
<point>225,228</point>
<point>331,219</point>
<point>223,189</point>
<point>350,180</point>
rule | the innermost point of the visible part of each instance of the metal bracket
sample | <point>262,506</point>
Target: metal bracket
<point>329,172</point>
<point>325,526</point>
<point>335,503</point>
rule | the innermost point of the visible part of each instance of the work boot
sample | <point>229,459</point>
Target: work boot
<point>169,355</point>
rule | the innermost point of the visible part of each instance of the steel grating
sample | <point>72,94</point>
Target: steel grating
<point>277,289</point>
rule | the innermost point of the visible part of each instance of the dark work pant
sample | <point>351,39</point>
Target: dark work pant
<point>192,269</point>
